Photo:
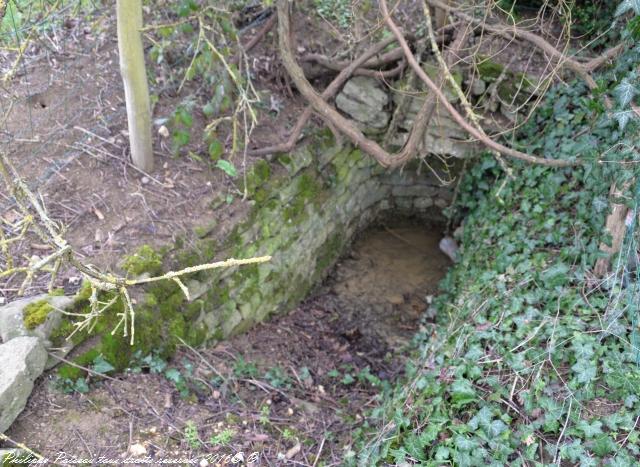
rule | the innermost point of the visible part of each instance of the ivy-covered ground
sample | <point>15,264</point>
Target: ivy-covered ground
<point>531,359</point>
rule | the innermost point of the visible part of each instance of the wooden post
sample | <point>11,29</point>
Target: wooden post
<point>134,76</point>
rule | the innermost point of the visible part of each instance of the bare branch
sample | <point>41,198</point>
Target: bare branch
<point>480,135</point>
<point>511,31</point>
<point>327,112</point>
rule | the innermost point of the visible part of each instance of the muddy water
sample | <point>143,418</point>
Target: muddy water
<point>385,284</point>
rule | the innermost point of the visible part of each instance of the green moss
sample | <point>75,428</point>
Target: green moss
<point>261,195</point>
<point>36,313</point>
<point>57,292</point>
<point>202,231</point>
<point>257,177</point>
<point>59,336</point>
<point>489,70</point>
<point>178,327</point>
<point>145,260</point>
<point>197,334</point>
<point>261,170</point>
<point>516,87</point>
<point>329,253</point>
<point>208,248</point>
<point>193,309</point>
<point>71,372</point>
<point>83,293</point>
<point>284,159</point>
<point>308,185</point>
<point>171,305</point>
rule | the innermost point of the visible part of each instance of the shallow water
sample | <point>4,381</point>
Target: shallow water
<point>387,280</point>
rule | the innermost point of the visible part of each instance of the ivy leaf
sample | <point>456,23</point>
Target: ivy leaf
<point>627,5</point>
<point>556,275</point>
<point>181,138</point>
<point>586,461</point>
<point>348,379</point>
<point>481,419</point>
<point>215,150</point>
<point>585,371</point>
<point>464,443</point>
<point>623,117</point>
<point>462,392</point>
<point>174,375</point>
<point>603,445</point>
<point>442,453</point>
<point>625,92</point>
<point>572,451</point>
<point>100,365</point>
<point>496,428</point>
<point>81,386</point>
<point>208,109</point>
<point>590,430</point>
<point>227,167</point>
<point>415,447</point>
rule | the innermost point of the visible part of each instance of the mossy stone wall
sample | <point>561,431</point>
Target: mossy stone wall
<point>305,209</point>
<point>304,218</point>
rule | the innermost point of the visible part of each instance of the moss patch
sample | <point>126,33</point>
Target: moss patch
<point>145,260</point>
<point>489,70</point>
<point>36,313</point>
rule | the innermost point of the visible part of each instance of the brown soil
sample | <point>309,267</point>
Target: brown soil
<point>66,134</point>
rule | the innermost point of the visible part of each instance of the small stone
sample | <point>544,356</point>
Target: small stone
<point>478,87</point>
<point>449,247</point>
<point>396,299</point>
<point>163,131</point>
<point>441,203</point>
<point>137,450</point>
<point>145,180</point>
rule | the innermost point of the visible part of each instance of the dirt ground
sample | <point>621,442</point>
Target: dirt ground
<point>292,389</point>
<point>65,131</point>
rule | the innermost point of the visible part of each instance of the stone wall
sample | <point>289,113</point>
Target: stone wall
<point>305,209</point>
<point>500,96</point>
<point>305,218</point>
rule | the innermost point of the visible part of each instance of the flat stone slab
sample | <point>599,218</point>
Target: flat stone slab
<point>22,361</point>
<point>363,99</point>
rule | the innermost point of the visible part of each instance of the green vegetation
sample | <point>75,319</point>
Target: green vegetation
<point>527,363</point>
<point>36,313</point>
<point>191,435</point>
<point>336,11</point>
<point>145,260</point>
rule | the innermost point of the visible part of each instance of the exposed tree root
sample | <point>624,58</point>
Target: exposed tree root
<point>320,105</point>
<point>255,40</point>
<point>331,115</point>
<point>480,135</point>
<point>328,93</point>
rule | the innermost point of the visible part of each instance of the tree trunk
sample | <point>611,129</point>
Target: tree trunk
<point>615,225</point>
<point>134,76</point>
